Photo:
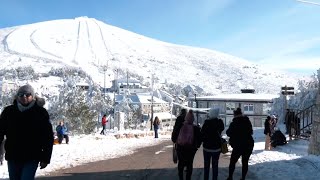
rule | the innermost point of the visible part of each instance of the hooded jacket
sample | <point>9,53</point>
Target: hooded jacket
<point>240,132</point>
<point>211,134</point>
<point>29,134</point>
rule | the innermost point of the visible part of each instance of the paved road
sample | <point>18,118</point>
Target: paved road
<point>150,163</point>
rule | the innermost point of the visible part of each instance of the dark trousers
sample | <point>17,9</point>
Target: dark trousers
<point>22,170</point>
<point>61,136</point>
<point>2,152</point>
<point>103,129</point>
<point>209,157</point>
<point>156,133</point>
<point>185,159</point>
<point>236,153</point>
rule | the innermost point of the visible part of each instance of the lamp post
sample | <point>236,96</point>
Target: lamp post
<point>151,118</point>
<point>104,81</point>
<point>195,99</point>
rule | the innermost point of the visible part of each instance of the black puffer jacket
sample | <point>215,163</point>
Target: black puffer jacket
<point>240,132</point>
<point>29,134</point>
<point>211,133</point>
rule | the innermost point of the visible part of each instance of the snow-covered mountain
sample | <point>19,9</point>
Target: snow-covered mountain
<point>90,44</point>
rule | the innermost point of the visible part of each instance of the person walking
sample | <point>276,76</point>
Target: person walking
<point>211,139</point>
<point>62,132</point>
<point>177,125</point>
<point>29,134</point>
<point>188,142</point>
<point>174,136</point>
<point>104,124</point>
<point>156,124</point>
<point>267,132</point>
<point>240,132</point>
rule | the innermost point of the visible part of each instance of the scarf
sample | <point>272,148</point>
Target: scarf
<point>24,108</point>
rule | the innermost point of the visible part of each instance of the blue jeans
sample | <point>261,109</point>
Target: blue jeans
<point>207,157</point>
<point>22,170</point>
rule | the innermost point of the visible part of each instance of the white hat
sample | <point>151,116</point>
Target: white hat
<point>214,112</point>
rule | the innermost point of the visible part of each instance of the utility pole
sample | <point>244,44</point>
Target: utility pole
<point>151,119</point>
<point>195,99</point>
<point>286,91</point>
<point>104,81</point>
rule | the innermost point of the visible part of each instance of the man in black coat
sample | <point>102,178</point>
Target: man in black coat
<point>29,134</point>
<point>240,132</point>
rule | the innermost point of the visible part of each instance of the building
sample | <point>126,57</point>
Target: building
<point>121,85</point>
<point>255,106</point>
<point>144,101</point>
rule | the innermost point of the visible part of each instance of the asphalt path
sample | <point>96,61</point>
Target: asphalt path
<point>149,163</point>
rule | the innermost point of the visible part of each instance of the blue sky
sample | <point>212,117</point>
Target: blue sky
<point>281,34</point>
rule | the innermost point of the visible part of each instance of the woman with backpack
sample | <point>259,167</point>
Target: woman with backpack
<point>188,142</point>
<point>211,137</point>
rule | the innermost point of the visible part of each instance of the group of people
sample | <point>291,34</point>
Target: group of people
<point>189,137</point>
<point>274,136</point>
<point>62,132</point>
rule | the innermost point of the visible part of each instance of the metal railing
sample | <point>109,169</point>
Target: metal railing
<point>304,119</point>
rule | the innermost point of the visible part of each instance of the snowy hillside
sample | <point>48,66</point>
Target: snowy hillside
<point>90,44</point>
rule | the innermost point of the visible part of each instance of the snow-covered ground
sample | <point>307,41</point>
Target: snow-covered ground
<point>290,161</point>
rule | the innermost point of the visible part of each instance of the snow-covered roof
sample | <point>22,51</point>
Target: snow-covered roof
<point>138,98</point>
<point>127,80</point>
<point>147,99</point>
<point>247,97</point>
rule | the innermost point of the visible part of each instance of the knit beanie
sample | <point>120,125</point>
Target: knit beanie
<point>214,112</point>
<point>26,89</point>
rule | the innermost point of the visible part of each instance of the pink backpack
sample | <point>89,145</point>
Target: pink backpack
<point>186,134</point>
<point>185,137</point>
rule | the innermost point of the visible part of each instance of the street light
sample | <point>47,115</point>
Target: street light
<point>151,119</point>
<point>195,99</point>
<point>104,68</point>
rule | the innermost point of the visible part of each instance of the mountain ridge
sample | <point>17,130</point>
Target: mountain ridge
<point>94,46</point>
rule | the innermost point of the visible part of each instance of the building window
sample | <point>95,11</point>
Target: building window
<point>230,107</point>
<point>248,108</point>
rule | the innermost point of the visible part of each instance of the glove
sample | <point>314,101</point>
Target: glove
<point>43,165</point>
